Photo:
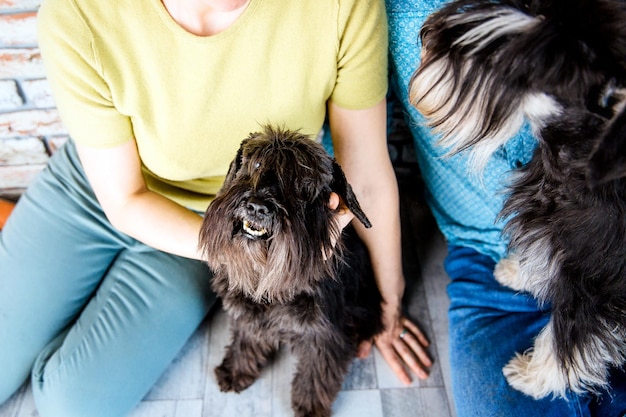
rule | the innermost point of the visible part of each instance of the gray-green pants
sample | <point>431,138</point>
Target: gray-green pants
<point>92,314</point>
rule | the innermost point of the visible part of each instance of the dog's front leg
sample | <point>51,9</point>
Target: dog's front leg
<point>322,367</point>
<point>245,358</point>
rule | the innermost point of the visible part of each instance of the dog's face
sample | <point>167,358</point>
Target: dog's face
<point>269,229</point>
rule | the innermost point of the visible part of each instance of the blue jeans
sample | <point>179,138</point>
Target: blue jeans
<point>91,314</point>
<point>488,322</point>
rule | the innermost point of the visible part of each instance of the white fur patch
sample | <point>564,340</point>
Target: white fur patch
<point>507,273</point>
<point>539,265</point>
<point>431,89</point>
<point>435,94</point>
<point>501,22</point>
<point>538,108</point>
<point>538,372</point>
<point>436,91</point>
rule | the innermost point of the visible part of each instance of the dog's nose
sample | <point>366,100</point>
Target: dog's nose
<point>256,207</point>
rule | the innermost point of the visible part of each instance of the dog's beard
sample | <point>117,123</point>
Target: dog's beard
<point>289,255</point>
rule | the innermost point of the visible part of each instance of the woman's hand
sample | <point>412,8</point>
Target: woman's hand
<point>402,344</point>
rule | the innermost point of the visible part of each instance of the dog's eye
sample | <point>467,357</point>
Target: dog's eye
<point>253,166</point>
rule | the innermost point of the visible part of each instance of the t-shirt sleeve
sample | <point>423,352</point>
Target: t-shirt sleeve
<point>362,54</point>
<point>76,77</point>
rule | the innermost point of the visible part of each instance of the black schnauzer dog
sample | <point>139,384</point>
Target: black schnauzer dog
<point>489,65</point>
<point>285,272</point>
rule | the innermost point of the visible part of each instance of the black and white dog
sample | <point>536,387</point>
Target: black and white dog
<point>488,65</point>
<point>285,272</point>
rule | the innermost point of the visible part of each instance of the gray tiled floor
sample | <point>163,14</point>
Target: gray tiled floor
<point>188,388</point>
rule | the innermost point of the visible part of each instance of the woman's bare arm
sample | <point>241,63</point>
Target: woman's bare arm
<point>116,178</point>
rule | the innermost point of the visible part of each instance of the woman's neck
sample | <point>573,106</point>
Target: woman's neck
<point>205,17</point>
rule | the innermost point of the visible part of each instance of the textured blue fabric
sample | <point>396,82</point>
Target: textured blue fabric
<point>464,202</point>
<point>92,314</point>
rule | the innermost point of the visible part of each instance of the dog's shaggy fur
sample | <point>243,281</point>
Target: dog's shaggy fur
<point>284,271</point>
<point>487,65</point>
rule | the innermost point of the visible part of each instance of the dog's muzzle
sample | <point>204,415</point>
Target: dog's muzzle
<point>256,218</point>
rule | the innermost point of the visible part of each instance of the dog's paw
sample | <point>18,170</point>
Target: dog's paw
<point>228,381</point>
<point>506,273</point>
<point>540,373</point>
<point>534,377</point>
<point>303,411</point>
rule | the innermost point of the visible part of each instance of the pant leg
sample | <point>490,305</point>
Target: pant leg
<point>145,310</point>
<point>54,250</point>
<point>58,253</point>
<point>488,324</point>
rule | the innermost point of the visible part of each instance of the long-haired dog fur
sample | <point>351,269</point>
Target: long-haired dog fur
<point>284,271</point>
<point>488,65</point>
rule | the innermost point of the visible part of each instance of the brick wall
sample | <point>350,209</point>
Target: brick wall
<point>30,128</point>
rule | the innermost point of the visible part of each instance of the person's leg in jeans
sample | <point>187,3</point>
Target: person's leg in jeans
<point>488,324</point>
<point>96,315</point>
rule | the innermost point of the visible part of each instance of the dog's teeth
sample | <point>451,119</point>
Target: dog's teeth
<point>247,226</point>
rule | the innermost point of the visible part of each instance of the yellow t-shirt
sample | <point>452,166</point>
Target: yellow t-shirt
<point>123,69</point>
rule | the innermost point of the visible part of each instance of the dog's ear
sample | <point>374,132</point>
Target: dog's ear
<point>235,165</point>
<point>341,186</point>
<point>608,160</point>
